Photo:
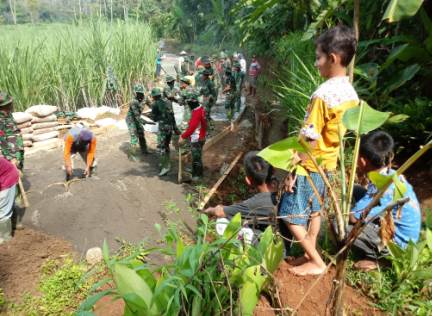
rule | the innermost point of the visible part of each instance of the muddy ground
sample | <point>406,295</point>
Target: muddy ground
<point>124,199</point>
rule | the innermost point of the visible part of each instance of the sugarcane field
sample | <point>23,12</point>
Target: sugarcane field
<point>194,158</point>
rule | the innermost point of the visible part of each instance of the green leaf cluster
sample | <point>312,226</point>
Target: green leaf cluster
<point>211,275</point>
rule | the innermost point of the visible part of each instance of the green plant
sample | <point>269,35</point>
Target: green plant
<point>69,65</point>
<point>297,81</point>
<point>61,288</point>
<point>208,276</point>
<point>407,285</point>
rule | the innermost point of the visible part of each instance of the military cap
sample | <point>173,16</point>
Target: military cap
<point>205,60</point>
<point>169,78</point>
<point>192,96</point>
<point>138,88</point>
<point>156,92</point>
<point>5,99</point>
<point>206,72</point>
<point>183,53</point>
<point>185,80</point>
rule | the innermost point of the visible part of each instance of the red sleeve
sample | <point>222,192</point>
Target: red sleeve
<point>193,124</point>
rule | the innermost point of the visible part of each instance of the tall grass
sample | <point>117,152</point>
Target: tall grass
<point>297,77</point>
<point>67,65</point>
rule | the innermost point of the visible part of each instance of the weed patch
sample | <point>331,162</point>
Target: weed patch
<point>62,287</point>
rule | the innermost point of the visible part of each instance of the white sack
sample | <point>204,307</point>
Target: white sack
<point>27,130</point>
<point>49,118</point>
<point>28,143</point>
<point>44,125</point>
<point>24,125</point>
<point>21,117</point>
<point>42,137</point>
<point>44,130</point>
<point>92,112</point>
<point>27,136</point>
<point>41,110</point>
<point>47,144</point>
<point>106,122</point>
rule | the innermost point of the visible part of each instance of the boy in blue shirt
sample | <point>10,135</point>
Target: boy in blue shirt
<point>376,153</point>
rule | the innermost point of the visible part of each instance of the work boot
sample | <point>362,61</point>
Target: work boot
<point>5,230</point>
<point>93,171</point>
<point>196,179</point>
<point>164,171</point>
<point>132,153</point>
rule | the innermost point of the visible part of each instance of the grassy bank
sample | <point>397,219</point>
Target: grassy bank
<point>70,65</point>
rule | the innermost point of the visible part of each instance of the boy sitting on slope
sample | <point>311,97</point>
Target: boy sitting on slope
<point>376,153</point>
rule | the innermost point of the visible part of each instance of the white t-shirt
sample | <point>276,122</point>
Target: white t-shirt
<point>243,65</point>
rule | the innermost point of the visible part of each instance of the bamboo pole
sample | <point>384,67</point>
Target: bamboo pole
<point>23,193</point>
<point>219,182</point>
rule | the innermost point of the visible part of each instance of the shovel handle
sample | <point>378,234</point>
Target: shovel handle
<point>180,169</point>
<point>23,193</point>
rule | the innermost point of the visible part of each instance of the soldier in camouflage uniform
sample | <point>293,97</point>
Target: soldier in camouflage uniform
<point>135,122</point>
<point>230,92</point>
<point>162,113</point>
<point>207,90</point>
<point>11,142</point>
<point>195,134</point>
<point>170,91</point>
<point>185,92</point>
<point>171,94</point>
<point>239,80</point>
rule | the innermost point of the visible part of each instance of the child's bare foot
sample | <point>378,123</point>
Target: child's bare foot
<point>308,268</point>
<point>366,265</point>
<point>298,261</point>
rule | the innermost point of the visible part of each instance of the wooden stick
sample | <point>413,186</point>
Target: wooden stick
<point>23,193</point>
<point>180,167</point>
<point>219,182</point>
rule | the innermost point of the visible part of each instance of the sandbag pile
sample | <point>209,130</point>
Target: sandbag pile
<point>44,126</point>
<point>24,122</point>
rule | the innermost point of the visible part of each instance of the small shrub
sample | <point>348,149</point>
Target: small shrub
<point>61,289</point>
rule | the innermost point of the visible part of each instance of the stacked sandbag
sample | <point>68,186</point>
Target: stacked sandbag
<point>24,122</point>
<point>44,125</point>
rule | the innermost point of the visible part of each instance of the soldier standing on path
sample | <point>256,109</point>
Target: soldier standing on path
<point>230,92</point>
<point>135,122</point>
<point>11,142</point>
<point>171,94</point>
<point>239,76</point>
<point>207,90</point>
<point>195,134</point>
<point>170,91</point>
<point>185,92</point>
<point>162,113</point>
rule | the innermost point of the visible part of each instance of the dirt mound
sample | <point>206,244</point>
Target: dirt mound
<point>22,257</point>
<point>292,289</point>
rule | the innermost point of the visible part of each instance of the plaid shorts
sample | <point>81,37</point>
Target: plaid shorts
<point>297,206</point>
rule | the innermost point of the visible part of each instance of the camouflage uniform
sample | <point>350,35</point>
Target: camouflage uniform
<point>196,146</point>
<point>171,94</point>
<point>185,94</point>
<point>207,90</point>
<point>11,142</point>
<point>239,80</point>
<point>162,113</point>
<point>135,123</point>
<point>230,92</point>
